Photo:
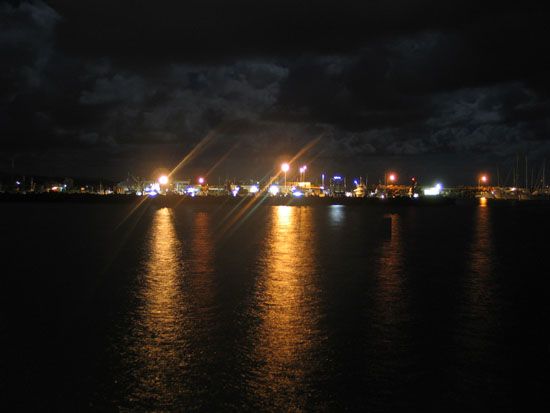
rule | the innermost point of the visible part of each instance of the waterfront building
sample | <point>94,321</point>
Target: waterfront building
<point>337,186</point>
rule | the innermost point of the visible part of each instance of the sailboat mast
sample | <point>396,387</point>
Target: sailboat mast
<point>526,178</point>
<point>516,172</point>
<point>543,174</point>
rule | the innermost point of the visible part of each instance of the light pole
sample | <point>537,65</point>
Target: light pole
<point>285,167</point>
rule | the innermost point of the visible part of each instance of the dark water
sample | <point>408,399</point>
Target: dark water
<point>274,308</point>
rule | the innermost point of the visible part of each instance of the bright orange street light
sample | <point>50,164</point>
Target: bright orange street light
<point>483,179</point>
<point>392,177</point>
<point>163,180</point>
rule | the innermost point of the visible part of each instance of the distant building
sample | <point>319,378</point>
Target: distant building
<point>337,186</point>
<point>180,187</point>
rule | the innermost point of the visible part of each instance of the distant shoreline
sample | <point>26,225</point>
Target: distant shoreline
<point>171,200</point>
<point>174,200</point>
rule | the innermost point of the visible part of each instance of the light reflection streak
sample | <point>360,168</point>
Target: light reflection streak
<point>159,331</point>
<point>482,246</point>
<point>337,214</point>
<point>479,305</point>
<point>389,299</point>
<point>476,334</point>
<point>200,284</point>
<point>389,320</point>
<point>288,301</point>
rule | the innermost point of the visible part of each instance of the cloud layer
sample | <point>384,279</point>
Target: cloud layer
<point>394,80</point>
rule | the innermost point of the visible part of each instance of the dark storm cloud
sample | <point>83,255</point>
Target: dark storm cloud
<point>376,78</point>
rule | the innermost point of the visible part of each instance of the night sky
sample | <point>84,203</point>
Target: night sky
<point>436,89</point>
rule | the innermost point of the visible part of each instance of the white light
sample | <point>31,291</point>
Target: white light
<point>273,189</point>
<point>153,187</point>
<point>415,195</point>
<point>436,190</point>
<point>163,180</point>
<point>254,189</point>
<point>285,167</point>
<point>297,194</point>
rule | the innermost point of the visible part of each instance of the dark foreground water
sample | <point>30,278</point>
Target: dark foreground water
<point>274,308</point>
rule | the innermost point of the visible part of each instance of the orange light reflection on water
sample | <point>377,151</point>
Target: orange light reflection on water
<point>390,297</point>
<point>159,330</point>
<point>200,286</point>
<point>287,298</point>
<point>477,333</point>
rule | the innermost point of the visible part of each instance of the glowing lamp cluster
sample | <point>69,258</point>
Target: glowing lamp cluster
<point>273,190</point>
<point>434,191</point>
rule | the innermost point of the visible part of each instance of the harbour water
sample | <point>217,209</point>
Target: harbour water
<point>210,308</point>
